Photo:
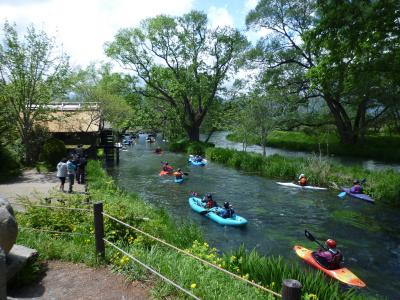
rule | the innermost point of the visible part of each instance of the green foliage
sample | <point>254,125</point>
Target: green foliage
<point>167,53</point>
<point>10,165</point>
<point>330,144</point>
<point>190,147</point>
<point>52,151</point>
<point>33,73</point>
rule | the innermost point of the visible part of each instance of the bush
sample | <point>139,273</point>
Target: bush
<point>52,151</point>
<point>10,165</point>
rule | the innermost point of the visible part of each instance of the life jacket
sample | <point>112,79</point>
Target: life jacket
<point>337,258</point>
<point>303,181</point>
<point>356,189</point>
<point>178,175</point>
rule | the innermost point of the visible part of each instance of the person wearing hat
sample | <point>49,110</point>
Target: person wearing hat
<point>331,258</point>
<point>356,188</point>
<point>167,167</point>
<point>178,174</point>
<point>302,180</point>
<point>210,203</point>
<point>227,211</point>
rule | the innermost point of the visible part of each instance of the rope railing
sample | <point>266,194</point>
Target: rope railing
<point>55,231</point>
<point>57,207</point>
<point>153,271</point>
<point>195,257</point>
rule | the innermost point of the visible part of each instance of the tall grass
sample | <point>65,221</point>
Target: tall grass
<point>203,281</point>
<point>383,186</point>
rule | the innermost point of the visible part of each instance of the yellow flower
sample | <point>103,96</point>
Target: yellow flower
<point>206,245</point>
<point>193,286</point>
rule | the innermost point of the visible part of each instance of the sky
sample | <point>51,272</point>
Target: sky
<point>82,27</point>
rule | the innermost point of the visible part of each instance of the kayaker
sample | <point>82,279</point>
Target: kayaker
<point>331,258</point>
<point>210,203</point>
<point>178,174</point>
<point>356,188</point>
<point>227,211</point>
<point>198,158</point>
<point>167,167</point>
<point>302,180</point>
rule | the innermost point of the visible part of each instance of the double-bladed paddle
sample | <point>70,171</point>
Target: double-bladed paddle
<point>313,239</point>
<point>343,194</point>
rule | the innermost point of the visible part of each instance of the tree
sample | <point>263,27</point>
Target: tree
<point>31,75</point>
<point>181,61</point>
<point>306,69</point>
<point>110,91</point>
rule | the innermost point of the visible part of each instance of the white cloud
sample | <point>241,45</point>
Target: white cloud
<point>219,17</point>
<point>84,26</point>
<point>250,4</point>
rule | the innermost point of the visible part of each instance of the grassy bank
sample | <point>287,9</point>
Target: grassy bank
<point>384,148</point>
<point>205,282</point>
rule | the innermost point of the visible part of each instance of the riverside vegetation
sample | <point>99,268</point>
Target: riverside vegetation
<point>203,281</point>
<point>383,186</point>
<point>330,144</point>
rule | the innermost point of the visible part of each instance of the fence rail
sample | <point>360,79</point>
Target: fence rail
<point>291,288</point>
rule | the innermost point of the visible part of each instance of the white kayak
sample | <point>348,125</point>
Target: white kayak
<point>310,187</point>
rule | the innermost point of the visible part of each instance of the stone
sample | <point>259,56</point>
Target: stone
<point>18,257</point>
<point>8,226</point>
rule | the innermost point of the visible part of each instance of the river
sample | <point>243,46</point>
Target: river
<point>369,236</point>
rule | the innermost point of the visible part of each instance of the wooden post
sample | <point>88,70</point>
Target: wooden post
<point>99,228</point>
<point>3,275</point>
<point>291,289</point>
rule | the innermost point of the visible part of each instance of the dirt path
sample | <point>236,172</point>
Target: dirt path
<point>32,182</point>
<point>76,281</point>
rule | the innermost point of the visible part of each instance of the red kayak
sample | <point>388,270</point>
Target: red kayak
<point>343,274</point>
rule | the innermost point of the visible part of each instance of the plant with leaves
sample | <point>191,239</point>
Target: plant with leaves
<point>309,53</point>
<point>111,93</point>
<point>32,73</point>
<point>181,61</point>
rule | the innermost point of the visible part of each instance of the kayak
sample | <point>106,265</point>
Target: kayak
<point>343,274</point>
<point>179,180</point>
<point>196,163</point>
<point>308,187</point>
<point>198,206</point>
<point>358,196</point>
<point>163,173</point>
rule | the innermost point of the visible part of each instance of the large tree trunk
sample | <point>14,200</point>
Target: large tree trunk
<point>347,133</point>
<point>193,132</point>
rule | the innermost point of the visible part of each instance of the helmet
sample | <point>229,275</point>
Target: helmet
<point>166,163</point>
<point>226,204</point>
<point>179,170</point>
<point>356,181</point>
<point>301,176</point>
<point>331,243</point>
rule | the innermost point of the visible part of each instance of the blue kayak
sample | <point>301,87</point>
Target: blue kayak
<point>179,180</point>
<point>193,162</point>
<point>198,206</point>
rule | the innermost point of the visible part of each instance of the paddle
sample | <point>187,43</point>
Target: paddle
<point>343,194</point>
<point>313,239</point>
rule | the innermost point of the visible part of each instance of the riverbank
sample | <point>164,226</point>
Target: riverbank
<point>382,148</point>
<point>183,270</point>
<point>382,185</point>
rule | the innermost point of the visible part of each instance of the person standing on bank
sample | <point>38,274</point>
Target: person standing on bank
<point>71,169</point>
<point>62,172</point>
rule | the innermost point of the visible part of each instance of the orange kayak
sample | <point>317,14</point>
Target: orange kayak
<point>163,173</point>
<point>343,274</point>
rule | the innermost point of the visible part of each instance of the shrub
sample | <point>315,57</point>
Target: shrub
<point>10,165</point>
<point>52,151</point>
